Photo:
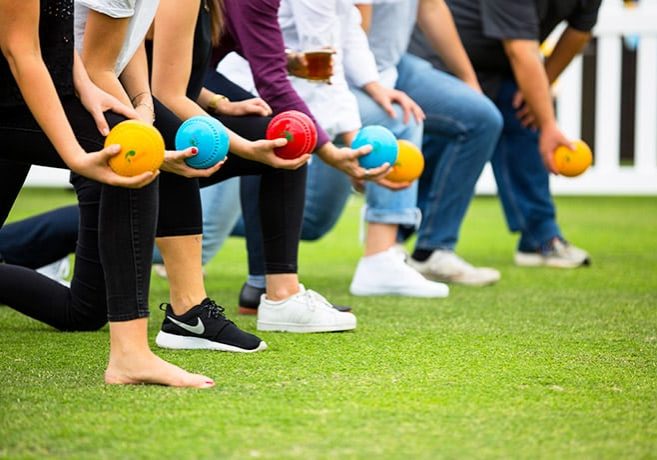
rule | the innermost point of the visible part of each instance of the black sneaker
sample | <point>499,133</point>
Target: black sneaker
<point>250,299</point>
<point>205,327</point>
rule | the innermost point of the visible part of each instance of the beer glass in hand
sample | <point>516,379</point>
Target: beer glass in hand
<point>315,62</point>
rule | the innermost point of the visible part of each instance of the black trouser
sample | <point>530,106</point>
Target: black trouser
<point>282,197</point>
<point>254,211</point>
<point>115,237</point>
<point>128,225</point>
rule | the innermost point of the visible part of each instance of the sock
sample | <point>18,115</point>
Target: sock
<point>422,254</point>
<point>256,281</point>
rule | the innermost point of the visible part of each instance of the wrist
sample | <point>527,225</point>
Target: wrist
<point>372,88</point>
<point>148,107</point>
<point>215,100</point>
<point>72,157</point>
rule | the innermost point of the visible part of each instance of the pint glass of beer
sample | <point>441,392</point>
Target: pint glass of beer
<point>318,52</point>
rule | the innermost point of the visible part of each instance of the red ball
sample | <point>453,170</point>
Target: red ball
<point>298,129</point>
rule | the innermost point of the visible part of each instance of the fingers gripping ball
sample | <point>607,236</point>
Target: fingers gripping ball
<point>384,146</point>
<point>572,163</point>
<point>409,164</point>
<point>142,148</point>
<point>208,135</point>
<point>298,129</point>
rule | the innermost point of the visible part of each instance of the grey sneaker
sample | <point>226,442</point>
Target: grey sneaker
<point>446,266</point>
<point>558,254</point>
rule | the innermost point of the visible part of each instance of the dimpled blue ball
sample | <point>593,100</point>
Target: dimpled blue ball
<point>208,135</point>
<point>384,146</point>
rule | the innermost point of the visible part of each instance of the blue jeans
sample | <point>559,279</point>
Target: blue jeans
<point>522,180</point>
<point>460,133</point>
<point>42,239</point>
<point>382,204</point>
<point>328,189</point>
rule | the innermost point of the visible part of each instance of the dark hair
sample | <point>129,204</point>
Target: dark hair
<point>215,7</point>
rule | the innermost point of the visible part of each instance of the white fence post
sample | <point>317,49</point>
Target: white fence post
<point>607,176</point>
<point>608,103</point>
<point>646,105</point>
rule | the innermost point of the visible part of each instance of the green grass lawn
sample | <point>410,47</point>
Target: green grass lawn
<point>548,363</point>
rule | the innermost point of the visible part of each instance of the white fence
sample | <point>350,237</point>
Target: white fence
<point>607,176</point>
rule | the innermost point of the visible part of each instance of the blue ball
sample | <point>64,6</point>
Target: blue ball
<point>384,146</point>
<point>208,135</point>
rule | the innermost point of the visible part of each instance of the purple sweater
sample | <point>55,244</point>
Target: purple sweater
<point>251,29</point>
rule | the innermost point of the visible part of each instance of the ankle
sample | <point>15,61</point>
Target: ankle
<point>183,303</point>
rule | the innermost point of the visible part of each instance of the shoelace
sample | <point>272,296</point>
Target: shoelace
<point>316,300</point>
<point>214,310</point>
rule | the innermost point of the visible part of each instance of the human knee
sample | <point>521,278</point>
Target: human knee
<point>315,232</point>
<point>486,117</point>
<point>87,323</point>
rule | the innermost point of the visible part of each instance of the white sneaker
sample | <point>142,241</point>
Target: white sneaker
<point>306,311</point>
<point>160,270</point>
<point>560,254</point>
<point>446,266</point>
<point>386,273</point>
<point>57,271</point>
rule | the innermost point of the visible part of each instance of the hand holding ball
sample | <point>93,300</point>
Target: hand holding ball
<point>572,163</point>
<point>208,135</point>
<point>298,129</point>
<point>384,146</point>
<point>409,164</point>
<point>142,148</point>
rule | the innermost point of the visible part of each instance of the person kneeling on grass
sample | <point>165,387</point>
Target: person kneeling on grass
<point>46,100</point>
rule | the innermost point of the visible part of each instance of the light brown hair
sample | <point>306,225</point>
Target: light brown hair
<point>215,7</point>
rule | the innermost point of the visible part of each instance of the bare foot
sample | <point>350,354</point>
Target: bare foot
<point>151,369</point>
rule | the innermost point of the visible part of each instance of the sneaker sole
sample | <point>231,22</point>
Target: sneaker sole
<point>247,310</point>
<point>446,279</point>
<point>302,329</point>
<point>535,260</point>
<point>180,342</point>
<point>365,292</point>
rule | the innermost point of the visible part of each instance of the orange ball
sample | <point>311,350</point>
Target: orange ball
<point>572,163</point>
<point>142,148</point>
<point>409,164</point>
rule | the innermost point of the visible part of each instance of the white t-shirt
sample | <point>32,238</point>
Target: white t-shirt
<point>390,32</point>
<point>335,23</point>
<point>141,13</point>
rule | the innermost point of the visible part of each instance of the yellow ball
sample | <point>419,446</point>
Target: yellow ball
<point>572,163</point>
<point>142,148</point>
<point>409,164</point>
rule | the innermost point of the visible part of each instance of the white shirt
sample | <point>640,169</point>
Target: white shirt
<point>317,23</point>
<point>390,32</point>
<point>141,13</point>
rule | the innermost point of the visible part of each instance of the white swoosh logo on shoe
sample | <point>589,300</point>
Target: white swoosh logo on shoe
<point>199,328</point>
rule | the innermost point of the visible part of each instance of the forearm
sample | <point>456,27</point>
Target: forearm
<point>182,106</point>
<point>106,80</point>
<point>437,23</point>
<point>570,44</point>
<point>532,80</point>
<point>134,80</point>
<point>366,16</point>
<point>41,97</point>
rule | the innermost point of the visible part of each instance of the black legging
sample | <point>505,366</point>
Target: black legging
<point>257,213</point>
<point>115,238</point>
<point>280,200</point>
